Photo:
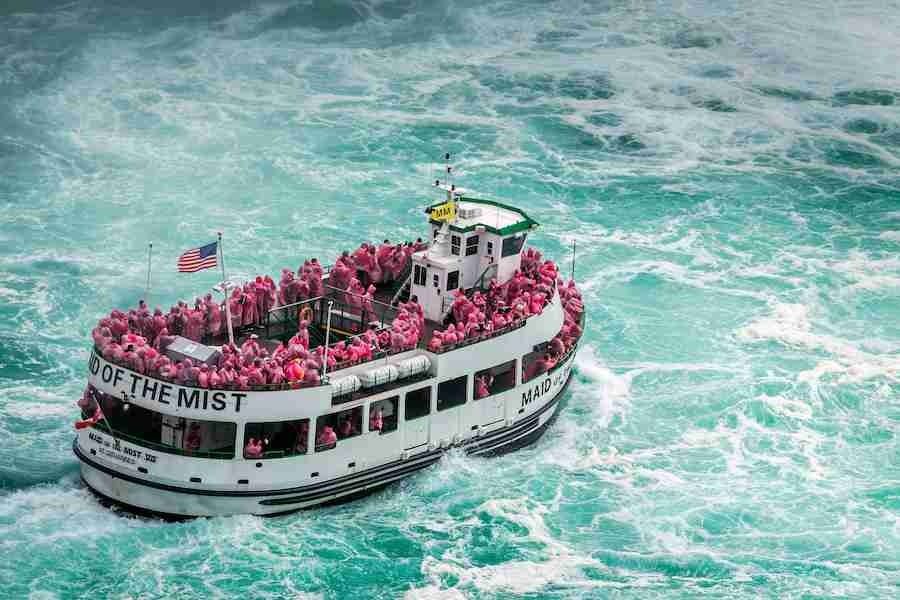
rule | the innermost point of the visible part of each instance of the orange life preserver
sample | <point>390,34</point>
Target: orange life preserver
<point>305,314</point>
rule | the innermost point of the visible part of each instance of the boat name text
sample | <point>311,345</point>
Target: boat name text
<point>132,386</point>
<point>541,388</point>
<point>114,449</point>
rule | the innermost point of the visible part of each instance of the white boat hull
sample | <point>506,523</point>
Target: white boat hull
<point>101,472</point>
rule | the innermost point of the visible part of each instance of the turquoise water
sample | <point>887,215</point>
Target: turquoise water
<point>727,170</point>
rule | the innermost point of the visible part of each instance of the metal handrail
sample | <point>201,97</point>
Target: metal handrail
<point>293,304</point>
<point>469,341</point>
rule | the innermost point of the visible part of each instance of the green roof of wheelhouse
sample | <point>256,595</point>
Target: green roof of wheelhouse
<point>514,220</point>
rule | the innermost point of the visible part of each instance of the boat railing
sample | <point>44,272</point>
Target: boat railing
<point>159,447</point>
<point>481,338</point>
<point>496,333</point>
<point>346,318</point>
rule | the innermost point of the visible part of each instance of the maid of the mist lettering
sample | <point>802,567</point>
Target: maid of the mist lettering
<point>145,388</point>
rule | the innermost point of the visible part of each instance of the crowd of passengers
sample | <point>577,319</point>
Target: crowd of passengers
<point>525,294</point>
<point>138,338</point>
<point>251,364</point>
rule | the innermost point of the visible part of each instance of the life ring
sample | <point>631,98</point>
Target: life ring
<point>305,314</point>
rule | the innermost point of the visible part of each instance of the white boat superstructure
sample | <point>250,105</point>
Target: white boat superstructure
<point>172,448</point>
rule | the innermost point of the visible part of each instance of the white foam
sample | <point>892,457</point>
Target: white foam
<point>558,565</point>
<point>790,325</point>
<point>892,236</point>
<point>787,407</point>
<point>516,577</point>
<point>609,390</point>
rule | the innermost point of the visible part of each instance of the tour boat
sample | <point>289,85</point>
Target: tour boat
<point>334,382</point>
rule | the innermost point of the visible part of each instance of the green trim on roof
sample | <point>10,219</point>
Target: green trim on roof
<point>524,225</point>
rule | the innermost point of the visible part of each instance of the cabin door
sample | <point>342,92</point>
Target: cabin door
<point>415,433</point>
<point>445,426</point>
<point>493,411</point>
<point>452,400</point>
<point>416,421</point>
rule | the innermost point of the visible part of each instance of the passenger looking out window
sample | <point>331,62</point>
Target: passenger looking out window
<point>495,379</point>
<point>337,426</point>
<point>277,439</point>
<point>346,428</point>
<point>383,415</point>
<point>535,364</point>
<point>327,439</point>
<point>253,449</point>
<point>194,439</point>
<point>376,419</point>
<point>482,386</point>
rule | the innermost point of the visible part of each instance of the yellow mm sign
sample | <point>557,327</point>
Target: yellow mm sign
<point>444,212</point>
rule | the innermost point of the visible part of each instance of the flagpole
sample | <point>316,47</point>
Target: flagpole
<point>227,293</point>
<point>149,267</point>
<point>573,260</point>
<point>222,255</point>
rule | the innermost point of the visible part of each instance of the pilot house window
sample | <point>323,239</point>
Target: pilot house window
<point>452,280</point>
<point>419,275</point>
<point>454,245</point>
<point>512,245</point>
<point>472,245</point>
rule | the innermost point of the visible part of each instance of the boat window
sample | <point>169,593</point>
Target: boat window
<point>277,439</point>
<point>452,393</point>
<point>418,403</point>
<point>494,380</point>
<point>337,426</point>
<point>165,433</point>
<point>437,280</point>
<point>419,275</point>
<point>454,245</point>
<point>512,245</point>
<point>452,280</point>
<point>490,248</point>
<point>535,364</point>
<point>383,414</point>
<point>472,245</point>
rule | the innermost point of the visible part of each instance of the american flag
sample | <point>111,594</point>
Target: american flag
<point>197,259</point>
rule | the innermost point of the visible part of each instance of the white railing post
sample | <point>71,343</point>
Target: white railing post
<point>327,335</point>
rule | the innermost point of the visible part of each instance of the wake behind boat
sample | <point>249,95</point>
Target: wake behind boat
<point>333,382</point>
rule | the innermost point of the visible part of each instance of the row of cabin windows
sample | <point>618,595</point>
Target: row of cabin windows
<point>511,245</point>
<point>419,278</point>
<point>471,245</point>
<point>216,439</point>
